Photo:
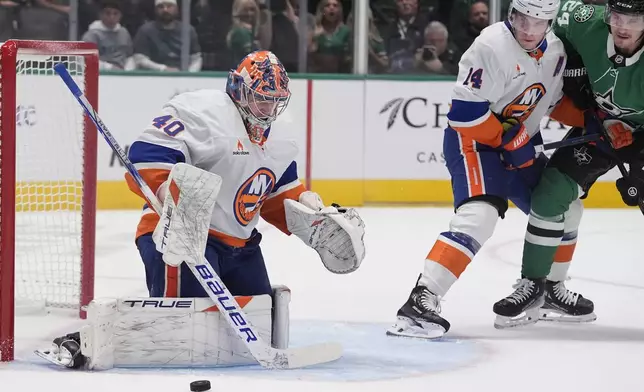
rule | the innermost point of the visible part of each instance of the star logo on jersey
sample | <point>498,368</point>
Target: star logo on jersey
<point>607,104</point>
<point>584,13</point>
<point>582,156</point>
<point>251,195</point>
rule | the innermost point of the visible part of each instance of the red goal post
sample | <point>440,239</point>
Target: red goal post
<point>47,181</point>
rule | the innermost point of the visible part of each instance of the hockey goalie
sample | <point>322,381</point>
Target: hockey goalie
<point>209,158</point>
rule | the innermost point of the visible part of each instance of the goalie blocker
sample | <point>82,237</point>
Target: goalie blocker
<point>169,332</point>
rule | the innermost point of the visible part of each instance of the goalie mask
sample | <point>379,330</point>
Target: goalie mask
<point>259,88</point>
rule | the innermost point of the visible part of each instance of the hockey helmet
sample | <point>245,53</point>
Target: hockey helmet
<point>626,14</point>
<point>259,87</point>
<point>540,9</point>
<point>532,17</point>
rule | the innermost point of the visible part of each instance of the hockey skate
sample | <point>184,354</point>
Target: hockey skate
<point>563,305</point>
<point>65,351</point>
<point>419,316</point>
<point>522,307</point>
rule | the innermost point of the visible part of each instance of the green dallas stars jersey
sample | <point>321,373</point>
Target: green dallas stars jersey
<point>617,82</point>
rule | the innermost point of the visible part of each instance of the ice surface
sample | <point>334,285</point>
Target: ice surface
<point>355,309</point>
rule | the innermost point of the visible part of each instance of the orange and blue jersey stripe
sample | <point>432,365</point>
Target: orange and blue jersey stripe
<point>476,121</point>
<point>287,187</point>
<point>154,163</point>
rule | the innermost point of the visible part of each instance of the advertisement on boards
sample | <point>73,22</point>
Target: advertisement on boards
<point>404,125</point>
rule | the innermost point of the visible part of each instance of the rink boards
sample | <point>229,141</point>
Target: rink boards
<point>362,141</point>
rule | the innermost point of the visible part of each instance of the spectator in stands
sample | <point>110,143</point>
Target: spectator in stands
<point>243,36</point>
<point>310,18</point>
<point>329,46</point>
<point>264,30</point>
<point>88,11</point>
<point>378,60</point>
<point>213,20</point>
<point>43,20</point>
<point>285,31</point>
<point>113,40</point>
<point>404,36</point>
<point>157,44</point>
<point>136,13</point>
<point>464,31</point>
<point>437,56</point>
<point>285,34</point>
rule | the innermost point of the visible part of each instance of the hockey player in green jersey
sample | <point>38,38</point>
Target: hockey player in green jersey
<point>610,89</point>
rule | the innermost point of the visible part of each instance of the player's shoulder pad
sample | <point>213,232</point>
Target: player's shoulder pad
<point>555,45</point>
<point>209,109</point>
<point>493,44</point>
<point>574,15</point>
<point>491,35</point>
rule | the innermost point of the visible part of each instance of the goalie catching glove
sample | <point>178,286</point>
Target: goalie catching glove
<point>336,233</point>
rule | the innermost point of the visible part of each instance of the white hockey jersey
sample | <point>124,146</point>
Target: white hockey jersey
<point>204,129</point>
<point>498,79</point>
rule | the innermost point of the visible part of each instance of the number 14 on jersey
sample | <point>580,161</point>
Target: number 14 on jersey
<point>475,78</point>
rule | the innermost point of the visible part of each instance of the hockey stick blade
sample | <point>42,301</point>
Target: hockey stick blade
<point>235,316</point>
<point>298,357</point>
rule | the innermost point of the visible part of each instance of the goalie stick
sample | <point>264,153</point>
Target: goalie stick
<point>236,318</point>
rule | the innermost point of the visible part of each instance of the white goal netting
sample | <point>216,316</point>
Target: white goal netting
<point>49,184</point>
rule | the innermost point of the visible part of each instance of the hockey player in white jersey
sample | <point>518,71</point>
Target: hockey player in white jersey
<point>509,79</point>
<point>232,135</point>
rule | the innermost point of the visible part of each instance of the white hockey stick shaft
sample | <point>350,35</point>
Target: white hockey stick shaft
<point>266,355</point>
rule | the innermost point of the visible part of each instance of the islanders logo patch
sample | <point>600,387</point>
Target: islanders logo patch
<point>524,104</point>
<point>251,195</point>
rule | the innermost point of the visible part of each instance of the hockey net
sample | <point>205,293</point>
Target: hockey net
<point>47,181</point>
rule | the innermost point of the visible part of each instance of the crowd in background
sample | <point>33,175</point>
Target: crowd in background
<point>405,36</point>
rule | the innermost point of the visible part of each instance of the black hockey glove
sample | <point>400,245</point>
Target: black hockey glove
<point>576,84</point>
<point>631,187</point>
<point>629,191</point>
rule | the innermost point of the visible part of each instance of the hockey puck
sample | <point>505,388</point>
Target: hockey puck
<point>200,386</point>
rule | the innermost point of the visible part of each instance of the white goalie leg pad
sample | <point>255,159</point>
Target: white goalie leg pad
<point>189,196</point>
<point>169,332</point>
<point>338,237</point>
